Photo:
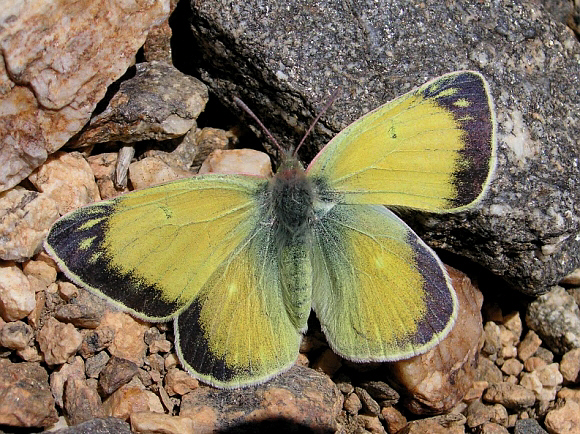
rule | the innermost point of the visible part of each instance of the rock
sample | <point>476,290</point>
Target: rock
<point>572,279</point>
<point>152,171</point>
<point>555,316</point>
<point>382,392</point>
<point>437,380</point>
<point>59,377</point>
<point>179,382</point>
<point>86,311</point>
<point>95,364</point>
<point>570,366</point>
<point>53,85</point>
<point>511,396</point>
<point>534,363</point>
<point>104,166</point>
<point>66,178</point>
<point>492,428</point>
<point>529,345</point>
<point>158,43</point>
<point>370,406</point>
<point>528,426</point>
<point>300,398</point>
<point>158,103</point>
<point>17,298</point>
<point>394,419</point>
<point>152,423</point>
<point>512,367</point>
<point>116,372</point>
<point>58,341</point>
<point>160,346</point>
<point>130,399</point>
<point>41,271</point>
<point>81,402</point>
<point>208,140</point>
<point>328,362</point>
<point>476,391</point>
<point>107,425</point>
<point>15,335</point>
<point>25,398</point>
<point>446,424</point>
<point>352,403</point>
<point>246,161</point>
<point>25,218</point>
<point>492,343</point>
<point>526,239</point>
<point>565,419</point>
<point>96,340</point>
<point>371,424</point>
<point>128,342</point>
<point>479,413</point>
<point>488,371</point>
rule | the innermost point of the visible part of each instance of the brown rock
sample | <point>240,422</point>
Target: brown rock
<point>58,341</point>
<point>488,371</point>
<point>68,179</point>
<point>476,391</point>
<point>369,405</point>
<point>381,392</point>
<point>352,403</point>
<point>130,399</point>
<point>565,419</point>
<point>152,171</point>
<point>328,362</point>
<point>300,396</point>
<point>246,161</point>
<point>492,343</point>
<point>438,380</point>
<point>103,166</point>
<point>208,140</point>
<point>511,396</point>
<point>96,340</point>
<point>492,428</point>
<point>67,290</point>
<point>512,367</point>
<point>445,424</point>
<point>479,413</point>
<point>128,341</point>
<point>59,377</point>
<point>25,398</point>
<point>86,310</point>
<point>153,423</point>
<point>17,298</point>
<point>394,419</point>
<point>570,366</point>
<point>158,43</point>
<point>158,103</point>
<point>529,345</point>
<point>25,218</point>
<point>53,85</point>
<point>116,372</point>
<point>179,382</point>
<point>567,393</point>
<point>534,363</point>
<point>513,322</point>
<point>160,346</point>
<point>15,335</point>
<point>371,424</point>
<point>41,271</point>
<point>81,401</point>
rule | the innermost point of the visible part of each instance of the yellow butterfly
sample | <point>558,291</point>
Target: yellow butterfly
<point>237,262</point>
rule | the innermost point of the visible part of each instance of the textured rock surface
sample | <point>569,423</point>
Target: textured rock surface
<point>301,398</point>
<point>283,61</point>
<point>46,93</point>
<point>25,398</point>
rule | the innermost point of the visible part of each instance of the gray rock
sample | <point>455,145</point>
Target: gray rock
<point>528,426</point>
<point>555,317</point>
<point>284,61</point>
<point>107,425</point>
<point>159,103</point>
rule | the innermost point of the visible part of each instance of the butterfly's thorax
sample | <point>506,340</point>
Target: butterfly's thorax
<point>292,197</point>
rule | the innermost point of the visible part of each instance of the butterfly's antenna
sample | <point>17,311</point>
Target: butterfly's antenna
<point>331,100</point>
<point>245,108</point>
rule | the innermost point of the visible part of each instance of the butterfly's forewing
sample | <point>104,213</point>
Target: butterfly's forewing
<point>198,250</point>
<point>432,148</point>
<point>152,250</point>
<point>379,291</point>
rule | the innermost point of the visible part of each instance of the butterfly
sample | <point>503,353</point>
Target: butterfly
<point>238,262</point>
